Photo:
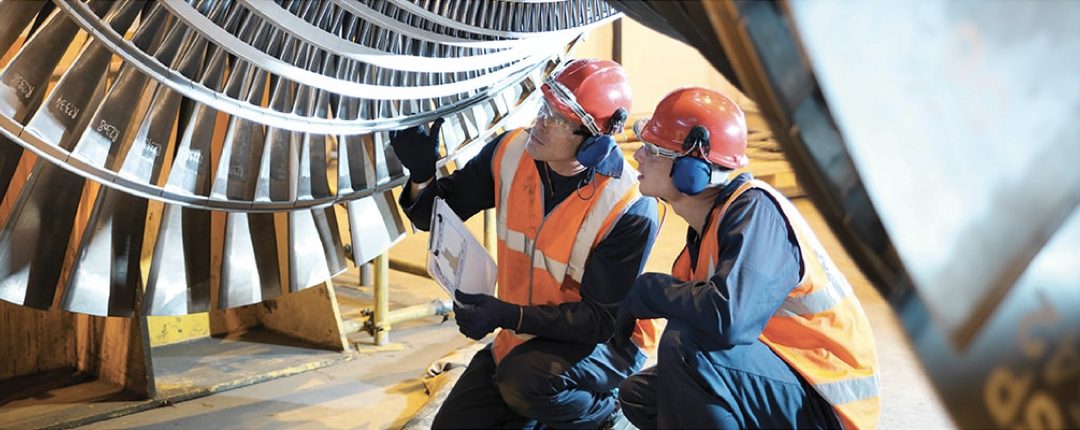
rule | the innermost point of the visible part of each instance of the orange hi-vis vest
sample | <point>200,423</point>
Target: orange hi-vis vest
<point>558,244</point>
<point>820,330</point>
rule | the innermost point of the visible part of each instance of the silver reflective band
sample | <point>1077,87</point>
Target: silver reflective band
<point>814,303</point>
<point>850,390</point>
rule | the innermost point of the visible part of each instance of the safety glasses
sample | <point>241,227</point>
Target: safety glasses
<point>697,140</point>
<point>669,154</point>
<point>657,151</point>
<point>548,119</point>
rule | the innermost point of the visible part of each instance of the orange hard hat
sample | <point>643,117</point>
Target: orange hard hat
<point>597,87</point>
<point>685,108</point>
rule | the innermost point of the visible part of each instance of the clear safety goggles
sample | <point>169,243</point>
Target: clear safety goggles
<point>657,151</point>
<point>689,145</point>
<point>549,119</point>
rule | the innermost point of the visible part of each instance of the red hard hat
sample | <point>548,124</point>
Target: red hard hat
<point>684,108</point>
<point>600,87</point>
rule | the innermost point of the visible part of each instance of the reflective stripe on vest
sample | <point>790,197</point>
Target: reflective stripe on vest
<point>555,271</point>
<point>588,235</point>
<point>820,329</point>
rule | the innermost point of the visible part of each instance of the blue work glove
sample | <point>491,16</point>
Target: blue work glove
<point>480,314</point>
<point>418,148</point>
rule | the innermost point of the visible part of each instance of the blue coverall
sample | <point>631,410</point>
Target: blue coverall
<point>712,371</point>
<point>565,377</point>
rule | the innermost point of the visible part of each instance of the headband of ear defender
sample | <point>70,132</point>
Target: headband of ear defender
<point>692,173</point>
<point>596,148</point>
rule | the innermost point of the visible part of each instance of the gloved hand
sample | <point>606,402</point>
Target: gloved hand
<point>624,327</point>
<point>480,314</point>
<point>418,148</point>
<point>631,309</point>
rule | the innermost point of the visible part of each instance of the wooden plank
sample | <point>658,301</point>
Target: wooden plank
<point>124,358</point>
<point>210,365</point>
<point>34,341</point>
<point>311,315</point>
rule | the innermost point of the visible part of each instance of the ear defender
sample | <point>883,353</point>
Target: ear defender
<point>691,173</point>
<point>597,147</point>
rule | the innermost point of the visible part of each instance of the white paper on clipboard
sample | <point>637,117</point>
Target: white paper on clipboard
<point>456,260</point>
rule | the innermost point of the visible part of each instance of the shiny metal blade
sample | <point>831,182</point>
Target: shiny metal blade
<point>394,168</point>
<point>106,274</point>
<point>485,115</point>
<point>375,225</point>
<point>42,226</point>
<point>14,17</point>
<point>236,175</point>
<point>109,132</point>
<point>190,173</point>
<point>311,254</point>
<point>450,134</point>
<point>249,271</point>
<point>330,234</point>
<point>499,105</point>
<point>179,281</point>
<point>374,149</point>
<point>144,158</point>
<point>312,182</point>
<point>35,236</point>
<point>66,140</point>
<point>157,25</point>
<point>23,81</point>
<point>60,120</point>
<point>469,128</point>
<point>56,123</point>
<point>280,157</point>
<point>307,260</point>
<point>277,174</point>
<point>10,153</point>
<point>107,262</point>
<point>354,167</point>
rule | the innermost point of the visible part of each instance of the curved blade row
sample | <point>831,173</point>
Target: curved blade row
<point>214,154</point>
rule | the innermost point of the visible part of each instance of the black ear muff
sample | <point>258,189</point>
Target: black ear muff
<point>692,172</point>
<point>595,149</point>
<point>617,121</point>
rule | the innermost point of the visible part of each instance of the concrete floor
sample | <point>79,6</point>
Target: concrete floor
<point>383,389</point>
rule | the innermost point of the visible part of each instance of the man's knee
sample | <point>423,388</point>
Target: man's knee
<point>632,390</point>
<point>524,384</point>
<point>637,397</point>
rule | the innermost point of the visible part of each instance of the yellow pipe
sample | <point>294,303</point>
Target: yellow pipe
<point>382,299</point>
<point>409,267</point>
<point>434,307</point>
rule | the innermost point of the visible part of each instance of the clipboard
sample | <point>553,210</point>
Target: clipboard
<point>456,260</point>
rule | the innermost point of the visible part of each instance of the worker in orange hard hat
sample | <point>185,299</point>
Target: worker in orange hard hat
<point>763,330</point>
<point>573,234</point>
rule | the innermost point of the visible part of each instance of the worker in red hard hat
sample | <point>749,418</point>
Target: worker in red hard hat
<point>763,330</point>
<point>573,234</point>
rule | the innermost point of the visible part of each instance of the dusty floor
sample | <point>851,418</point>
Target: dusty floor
<point>382,389</point>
